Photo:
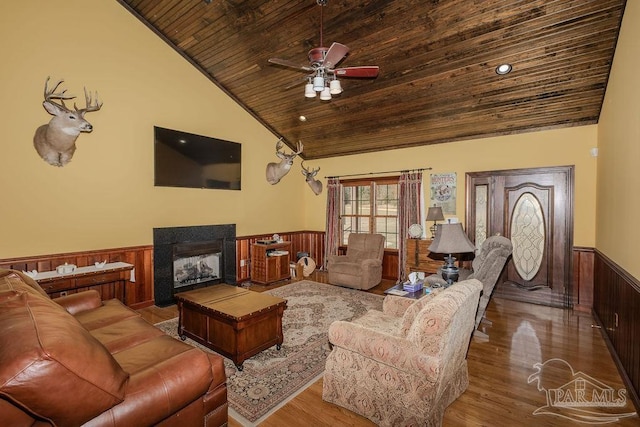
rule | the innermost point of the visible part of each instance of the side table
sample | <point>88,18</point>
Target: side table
<point>398,290</point>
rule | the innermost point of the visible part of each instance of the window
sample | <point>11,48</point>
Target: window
<point>370,206</point>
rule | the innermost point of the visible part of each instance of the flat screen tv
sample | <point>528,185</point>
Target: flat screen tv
<point>183,159</point>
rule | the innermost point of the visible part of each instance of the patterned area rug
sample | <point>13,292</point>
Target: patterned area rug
<point>273,377</point>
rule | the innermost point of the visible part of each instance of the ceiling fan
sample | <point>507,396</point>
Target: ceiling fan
<point>323,76</point>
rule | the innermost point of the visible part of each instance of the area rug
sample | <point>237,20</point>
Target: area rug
<point>273,377</point>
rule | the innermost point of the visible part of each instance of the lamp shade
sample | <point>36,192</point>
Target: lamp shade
<point>334,86</point>
<point>325,95</point>
<point>435,214</point>
<point>451,239</point>
<point>308,91</point>
<point>318,83</point>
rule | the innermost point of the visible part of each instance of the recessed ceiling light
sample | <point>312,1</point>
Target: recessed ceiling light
<point>302,118</point>
<point>503,69</point>
<point>182,141</point>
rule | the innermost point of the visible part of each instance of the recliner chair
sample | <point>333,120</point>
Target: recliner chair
<point>361,267</point>
<point>486,267</point>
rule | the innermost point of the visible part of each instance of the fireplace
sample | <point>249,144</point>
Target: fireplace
<point>187,258</point>
<point>196,263</point>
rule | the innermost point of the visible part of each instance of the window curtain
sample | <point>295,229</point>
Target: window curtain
<point>332,229</point>
<point>409,212</point>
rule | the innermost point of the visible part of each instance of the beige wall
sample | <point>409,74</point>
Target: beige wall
<point>105,197</point>
<point>569,146</point>
<point>618,197</point>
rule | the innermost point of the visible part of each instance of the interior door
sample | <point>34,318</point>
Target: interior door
<point>534,209</point>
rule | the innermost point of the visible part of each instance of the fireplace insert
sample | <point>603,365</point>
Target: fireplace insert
<point>196,263</point>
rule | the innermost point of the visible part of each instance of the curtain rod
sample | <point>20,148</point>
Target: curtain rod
<point>377,173</point>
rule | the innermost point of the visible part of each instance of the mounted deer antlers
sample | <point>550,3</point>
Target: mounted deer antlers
<point>316,186</point>
<point>275,171</point>
<point>55,142</point>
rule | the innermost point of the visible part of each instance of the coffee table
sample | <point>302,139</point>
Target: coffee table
<point>233,321</point>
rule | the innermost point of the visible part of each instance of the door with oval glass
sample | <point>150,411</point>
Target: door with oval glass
<point>533,208</point>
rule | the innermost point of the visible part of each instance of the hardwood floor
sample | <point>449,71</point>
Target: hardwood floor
<point>520,335</point>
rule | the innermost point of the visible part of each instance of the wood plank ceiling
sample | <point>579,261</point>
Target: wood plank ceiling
<point>437,60</point>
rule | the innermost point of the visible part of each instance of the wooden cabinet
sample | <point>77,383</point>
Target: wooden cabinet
<point>110,281</point>
<point>270,262</point>
<point>420,259</point>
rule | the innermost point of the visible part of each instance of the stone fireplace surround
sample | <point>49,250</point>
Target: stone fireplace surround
<point>165,238</point>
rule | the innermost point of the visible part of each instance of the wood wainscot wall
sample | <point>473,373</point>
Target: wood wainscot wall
<point>616,307</point>
<point>311,242</point>
<point>139,294</point>
<point>582,281</point>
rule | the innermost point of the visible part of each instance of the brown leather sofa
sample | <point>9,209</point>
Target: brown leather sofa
<point>77,360</point>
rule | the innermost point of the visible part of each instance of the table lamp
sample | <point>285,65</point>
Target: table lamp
<point>434,214</point>
<point>451,239</point>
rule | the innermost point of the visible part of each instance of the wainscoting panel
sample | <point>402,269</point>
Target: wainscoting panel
<point>390,262</point>
<point>616,307</point>
<point>139,294</point>
<point>582,285</point>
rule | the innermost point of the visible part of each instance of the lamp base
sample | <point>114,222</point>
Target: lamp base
<point>432,229</point>
<point>450,272</point>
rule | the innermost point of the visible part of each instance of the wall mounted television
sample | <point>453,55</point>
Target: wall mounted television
<point>184,159</point>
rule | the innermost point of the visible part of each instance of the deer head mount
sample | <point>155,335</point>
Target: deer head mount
<point>55,142</point>
<point>309,176</point>
<point>275,171</point>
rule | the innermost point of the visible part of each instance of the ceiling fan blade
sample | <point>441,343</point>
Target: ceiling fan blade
<point>289,64</point>
<point>294,84</point>
<point>335,54</point>
<point>366,71</point>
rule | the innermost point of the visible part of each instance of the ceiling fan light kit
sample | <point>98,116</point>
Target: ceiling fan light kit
<point>323,77</point>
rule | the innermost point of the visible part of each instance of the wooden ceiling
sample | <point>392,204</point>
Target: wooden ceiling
<point>437,60</point>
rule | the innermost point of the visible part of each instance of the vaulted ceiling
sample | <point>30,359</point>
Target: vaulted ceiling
<point>437,59</point>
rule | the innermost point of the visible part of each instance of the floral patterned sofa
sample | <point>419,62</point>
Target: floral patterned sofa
<point>405,364</point>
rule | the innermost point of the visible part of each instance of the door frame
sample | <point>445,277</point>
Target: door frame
<point>568,203</point>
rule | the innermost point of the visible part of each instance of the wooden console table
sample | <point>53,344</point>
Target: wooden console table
<point>109,280</point>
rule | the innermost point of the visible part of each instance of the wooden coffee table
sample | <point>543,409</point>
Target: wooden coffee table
<point>235,322</point>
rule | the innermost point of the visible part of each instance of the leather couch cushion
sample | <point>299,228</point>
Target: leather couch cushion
<point>111,311</point>
<point>11,284</point>
<point>51,354</point>
<point>125,334</point>
<point>166,375</point>
<point>12,276</point>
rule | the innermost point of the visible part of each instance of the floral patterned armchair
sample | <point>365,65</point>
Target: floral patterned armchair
<point>405,364</point>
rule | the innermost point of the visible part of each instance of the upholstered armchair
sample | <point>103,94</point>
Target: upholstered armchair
<point>486,267</point>
<point>405,364</point>
<point>361,267</point>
